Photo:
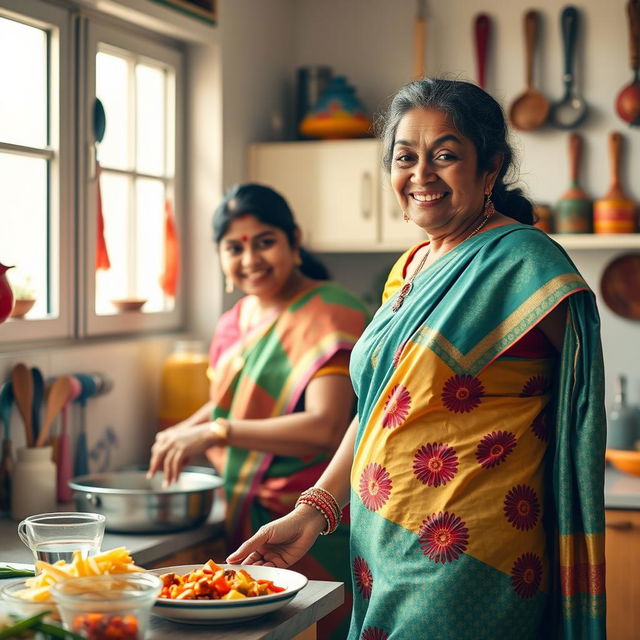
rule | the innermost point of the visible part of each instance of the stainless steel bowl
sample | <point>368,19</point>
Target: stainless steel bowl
<point>132,503</point>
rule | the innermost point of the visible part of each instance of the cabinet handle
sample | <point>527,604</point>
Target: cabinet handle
<point>621,525</point>
<point>366,195</point>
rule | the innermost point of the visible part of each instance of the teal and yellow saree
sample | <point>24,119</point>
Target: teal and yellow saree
<point>477,484</point>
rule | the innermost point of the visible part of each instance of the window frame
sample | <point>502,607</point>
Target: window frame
<point>58,22</point>
<point>156,48</point>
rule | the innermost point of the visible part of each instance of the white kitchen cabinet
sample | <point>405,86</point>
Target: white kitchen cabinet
<point>339,193</point>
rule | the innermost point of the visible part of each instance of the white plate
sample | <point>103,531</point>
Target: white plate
<point>228,611</point>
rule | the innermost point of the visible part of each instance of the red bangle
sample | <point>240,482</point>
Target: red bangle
<point>326,514</point>
<point>325,503</point>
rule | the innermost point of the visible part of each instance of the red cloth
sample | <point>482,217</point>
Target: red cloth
<point>171,270</point>
<point>102,255</point>
<point>533,344</point>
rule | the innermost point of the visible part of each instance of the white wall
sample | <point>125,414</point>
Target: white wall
<point>371,41</point>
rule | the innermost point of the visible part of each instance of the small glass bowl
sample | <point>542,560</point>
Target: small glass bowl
<point>24,608</point>
<point>107,606</point>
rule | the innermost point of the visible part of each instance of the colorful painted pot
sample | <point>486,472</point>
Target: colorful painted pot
<point>337,114</point>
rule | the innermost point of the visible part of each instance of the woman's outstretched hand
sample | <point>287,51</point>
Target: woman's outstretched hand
<point>174,446</point>
<point>282,542</point>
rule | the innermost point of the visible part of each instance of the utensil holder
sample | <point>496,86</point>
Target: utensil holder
<point>33,486</point>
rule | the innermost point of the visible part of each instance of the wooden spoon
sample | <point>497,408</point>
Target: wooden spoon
<point>56,399</point>
<point>22,383</point>
<point>531,109</point>
<point>628,100</point>
<point>482,34</point>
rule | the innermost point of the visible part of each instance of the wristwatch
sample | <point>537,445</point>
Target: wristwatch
<point>221,428</point>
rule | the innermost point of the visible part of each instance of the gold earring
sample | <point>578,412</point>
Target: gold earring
<point>488,210</point>
<point>228,284</point>
<point>297,260</point>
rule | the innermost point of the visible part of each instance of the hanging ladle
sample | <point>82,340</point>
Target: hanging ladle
<point>571,109</point>
<point>531,108</point>
<point>628,100</point>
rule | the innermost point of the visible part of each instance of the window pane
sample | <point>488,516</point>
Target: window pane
<point>114,283</point>
<point>150,119</point>
<point>24,222</point>
<point>23,78</point>
<point>150,242</point>
<point>112,88</point>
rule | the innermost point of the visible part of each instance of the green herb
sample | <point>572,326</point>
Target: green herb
<point>21,625</point>
<point>54,631</point>
<point>10,572</point>
<point>36,623</point>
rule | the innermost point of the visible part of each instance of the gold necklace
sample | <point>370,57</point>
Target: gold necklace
<point>408,285</point>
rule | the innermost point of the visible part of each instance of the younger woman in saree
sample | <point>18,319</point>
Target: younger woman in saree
<point>281,398</point>
<point>476,461</point>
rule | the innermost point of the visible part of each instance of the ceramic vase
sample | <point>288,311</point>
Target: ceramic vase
<point>337,114</point>
<point>33,485</point>
<point>6,294</point>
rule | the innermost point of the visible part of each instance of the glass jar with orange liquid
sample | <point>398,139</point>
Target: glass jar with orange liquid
<point>184,385</point>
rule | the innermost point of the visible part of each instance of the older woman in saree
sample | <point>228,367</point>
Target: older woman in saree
<point>281,398</point>
<point>474,468</point>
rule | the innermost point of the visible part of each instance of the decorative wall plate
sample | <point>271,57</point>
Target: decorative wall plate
<point>620,286</point>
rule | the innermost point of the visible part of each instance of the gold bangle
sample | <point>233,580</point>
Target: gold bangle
<point>221,427</point>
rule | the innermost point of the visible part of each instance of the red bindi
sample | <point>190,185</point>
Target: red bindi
<point>245,239</point>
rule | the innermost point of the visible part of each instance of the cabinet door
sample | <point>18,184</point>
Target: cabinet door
<point>395,233</point>
<point>623,574</point>
<point>332,186</point>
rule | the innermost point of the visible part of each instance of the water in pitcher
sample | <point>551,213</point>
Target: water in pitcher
<point>56,550</point>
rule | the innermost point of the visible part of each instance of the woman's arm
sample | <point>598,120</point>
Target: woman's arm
<point>319,428</point>
<point>282,542</point>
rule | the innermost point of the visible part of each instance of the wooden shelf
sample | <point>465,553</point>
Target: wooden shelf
<point>598,240</point>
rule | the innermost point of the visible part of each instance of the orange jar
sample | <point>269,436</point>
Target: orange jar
<point>184,385</point>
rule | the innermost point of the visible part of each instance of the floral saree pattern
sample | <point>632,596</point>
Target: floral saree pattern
<point>477,484</point>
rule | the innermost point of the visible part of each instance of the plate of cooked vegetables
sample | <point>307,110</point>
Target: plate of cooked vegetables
<point>223,593</point>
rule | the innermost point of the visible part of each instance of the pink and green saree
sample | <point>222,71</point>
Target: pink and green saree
<point>261,374</point>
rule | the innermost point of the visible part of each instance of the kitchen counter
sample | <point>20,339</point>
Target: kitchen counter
<point>311,604</point>
<point>621,490</point>
<point>145,548</point>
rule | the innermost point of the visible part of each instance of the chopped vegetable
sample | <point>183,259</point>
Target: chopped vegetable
<point>212,582</point>
<point>101,626</point>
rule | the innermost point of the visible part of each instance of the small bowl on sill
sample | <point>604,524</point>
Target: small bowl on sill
<point>625,460</point>
<point>21,307</point>
<point>124,305</point>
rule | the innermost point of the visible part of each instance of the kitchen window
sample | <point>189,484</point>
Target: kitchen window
<point>35,158</point>
<point>132,194</point>
<point>79,183</point>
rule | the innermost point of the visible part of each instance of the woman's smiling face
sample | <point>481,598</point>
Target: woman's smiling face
<point>258,258</point>
<point>434,173</point>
